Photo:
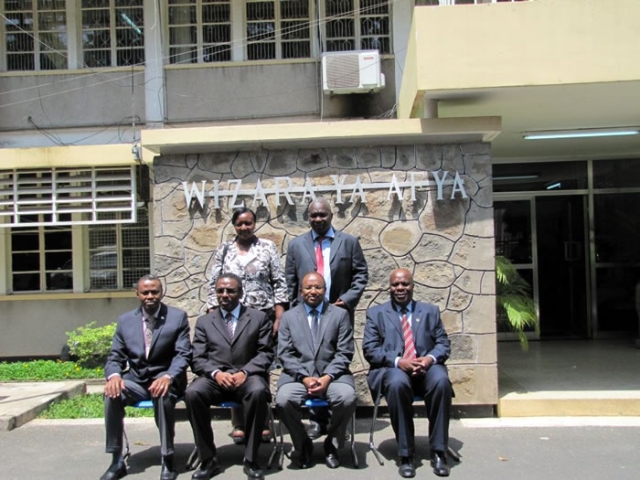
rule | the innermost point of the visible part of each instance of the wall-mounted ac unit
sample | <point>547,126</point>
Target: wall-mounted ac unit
<point>351,72</point>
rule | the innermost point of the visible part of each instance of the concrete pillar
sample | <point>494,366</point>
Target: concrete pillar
<point>154,95</point>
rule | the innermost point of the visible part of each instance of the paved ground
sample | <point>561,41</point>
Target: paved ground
<point>490,449</point>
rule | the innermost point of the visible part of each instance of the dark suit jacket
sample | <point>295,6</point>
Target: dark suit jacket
<point>170,350</point>
<point>250,349</point>
<point>333,354</point>
<point>383,340</point>
<point>349,272</point>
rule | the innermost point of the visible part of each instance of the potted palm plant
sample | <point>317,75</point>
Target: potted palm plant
<point>515,306</point>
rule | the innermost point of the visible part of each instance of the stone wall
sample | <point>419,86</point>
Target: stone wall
<point>448,243</point>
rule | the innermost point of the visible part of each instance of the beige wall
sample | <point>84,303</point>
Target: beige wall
<point>244,91</point>
<point>545,42</point>
<point>37,327</point>
<point>448,244</point>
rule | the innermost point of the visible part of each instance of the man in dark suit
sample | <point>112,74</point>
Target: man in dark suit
<point>343,267</point>
<point>338,257</point>
<point>315,346</point>
<point>406,345</point>
<point>153,342</point>
<point>231,355</point>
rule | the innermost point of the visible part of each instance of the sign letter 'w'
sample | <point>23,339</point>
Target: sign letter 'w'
<point>199,194</point>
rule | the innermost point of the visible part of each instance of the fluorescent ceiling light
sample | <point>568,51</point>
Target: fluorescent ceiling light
<point>554,185</point>
<point>584,133</point>
<point>516,177</point>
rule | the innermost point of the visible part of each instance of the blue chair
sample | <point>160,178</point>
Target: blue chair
<point>372,445</point>
<point>314,403</point>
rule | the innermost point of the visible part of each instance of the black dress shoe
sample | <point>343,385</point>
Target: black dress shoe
<point>331,453</point>
<point>168,472</point>
<point>316,430</point>
<point>304,459</point>
<point>406,468</point>
<point>253,471</point>
<point>207,470</point>
<point>115,471</point>
<point>439,464</point>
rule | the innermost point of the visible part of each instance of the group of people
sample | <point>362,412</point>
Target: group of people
<point>302,315</point>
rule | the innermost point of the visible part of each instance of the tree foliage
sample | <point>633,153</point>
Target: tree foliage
<point>90,345</point>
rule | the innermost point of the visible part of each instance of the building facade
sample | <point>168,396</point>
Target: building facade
<point>101,98</point>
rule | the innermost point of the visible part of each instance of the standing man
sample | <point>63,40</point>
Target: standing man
<point>406,345</point>
<point>338,257</point>
<point>153,342</point>
<point>315,346</point>
<point>231,355</point>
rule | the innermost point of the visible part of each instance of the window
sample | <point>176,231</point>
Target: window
<point>35,34</point>
<point>357,25</point>
<point>118,253</point>
<point>41,257</point>
<point>199,31</point>
<point>278,29</point>
<point>112,33</point>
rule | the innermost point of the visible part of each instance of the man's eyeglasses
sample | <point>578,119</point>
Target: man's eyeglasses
<point>230,291</point>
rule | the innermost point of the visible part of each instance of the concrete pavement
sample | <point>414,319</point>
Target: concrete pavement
<point>490,449</point>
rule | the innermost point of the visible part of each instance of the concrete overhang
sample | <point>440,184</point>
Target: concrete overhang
<point>319,135</point>
<point>541,65</point>
<point>67,157</point>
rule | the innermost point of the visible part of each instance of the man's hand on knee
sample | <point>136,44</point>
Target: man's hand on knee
<point>114,386</point>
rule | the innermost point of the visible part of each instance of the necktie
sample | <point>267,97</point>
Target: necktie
<point>228,319</point>
<point>315,323</point>
<point>148,333</point>
<point>407,333</point>
<point>319,257</point>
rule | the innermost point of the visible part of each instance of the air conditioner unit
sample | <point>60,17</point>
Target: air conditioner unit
<point>351,72</point>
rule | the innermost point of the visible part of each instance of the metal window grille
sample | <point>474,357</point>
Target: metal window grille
<point>35,34</point>
<point>118,253</point>
<point>112,32</point>
<point>54,194</point>
<point>199,31</point>
<point>278,29</point>
<point>357,25</point>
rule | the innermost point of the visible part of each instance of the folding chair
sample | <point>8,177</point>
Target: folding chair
<point>194,461</point>
<point>314,403</point>
<point>140,404</point>
<point>372,445</point>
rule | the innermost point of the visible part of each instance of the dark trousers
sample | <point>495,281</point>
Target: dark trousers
<point>253,395</point>
<point>164,413</point>
<point>434,386</point>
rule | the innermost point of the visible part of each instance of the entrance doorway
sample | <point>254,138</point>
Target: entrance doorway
<point>546,239</point>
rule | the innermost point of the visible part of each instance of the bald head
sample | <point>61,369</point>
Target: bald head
<point>320,215</point>
<point>401,286</point>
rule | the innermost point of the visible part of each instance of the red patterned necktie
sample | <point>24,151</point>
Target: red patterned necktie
<point>319,257</point>
<point>407,333</point>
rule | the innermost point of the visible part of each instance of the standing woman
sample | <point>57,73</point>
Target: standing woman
<point>257,262</point>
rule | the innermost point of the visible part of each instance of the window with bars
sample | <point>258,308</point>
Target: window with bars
<point>199,31</point>
<point>357,25</point>
<point>277,29</point>
<point>35,34</point>
<point>41,257</point>
<point>118,253</point>
<point>112,33</point>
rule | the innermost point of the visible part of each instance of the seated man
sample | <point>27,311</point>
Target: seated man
<point>406,345</point>
<point>315,347</point>
<point>153,341</point>
<point>231,355</point>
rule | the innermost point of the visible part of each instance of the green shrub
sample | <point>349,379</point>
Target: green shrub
<point>90,345</point>
<point>87,406</point>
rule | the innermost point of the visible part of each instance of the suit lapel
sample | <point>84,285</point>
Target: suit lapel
<point>243,322</point>
<point>393,314</point>
<point>308,244</point>
<point>160,321</point>
<point>419,320</point>
<point>218,323</point>
<point>304,329</point>
<point>335,245</point>
<point>138,331</point>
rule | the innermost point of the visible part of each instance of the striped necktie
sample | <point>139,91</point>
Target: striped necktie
<point>407,333</point>
<point>228,319</point>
